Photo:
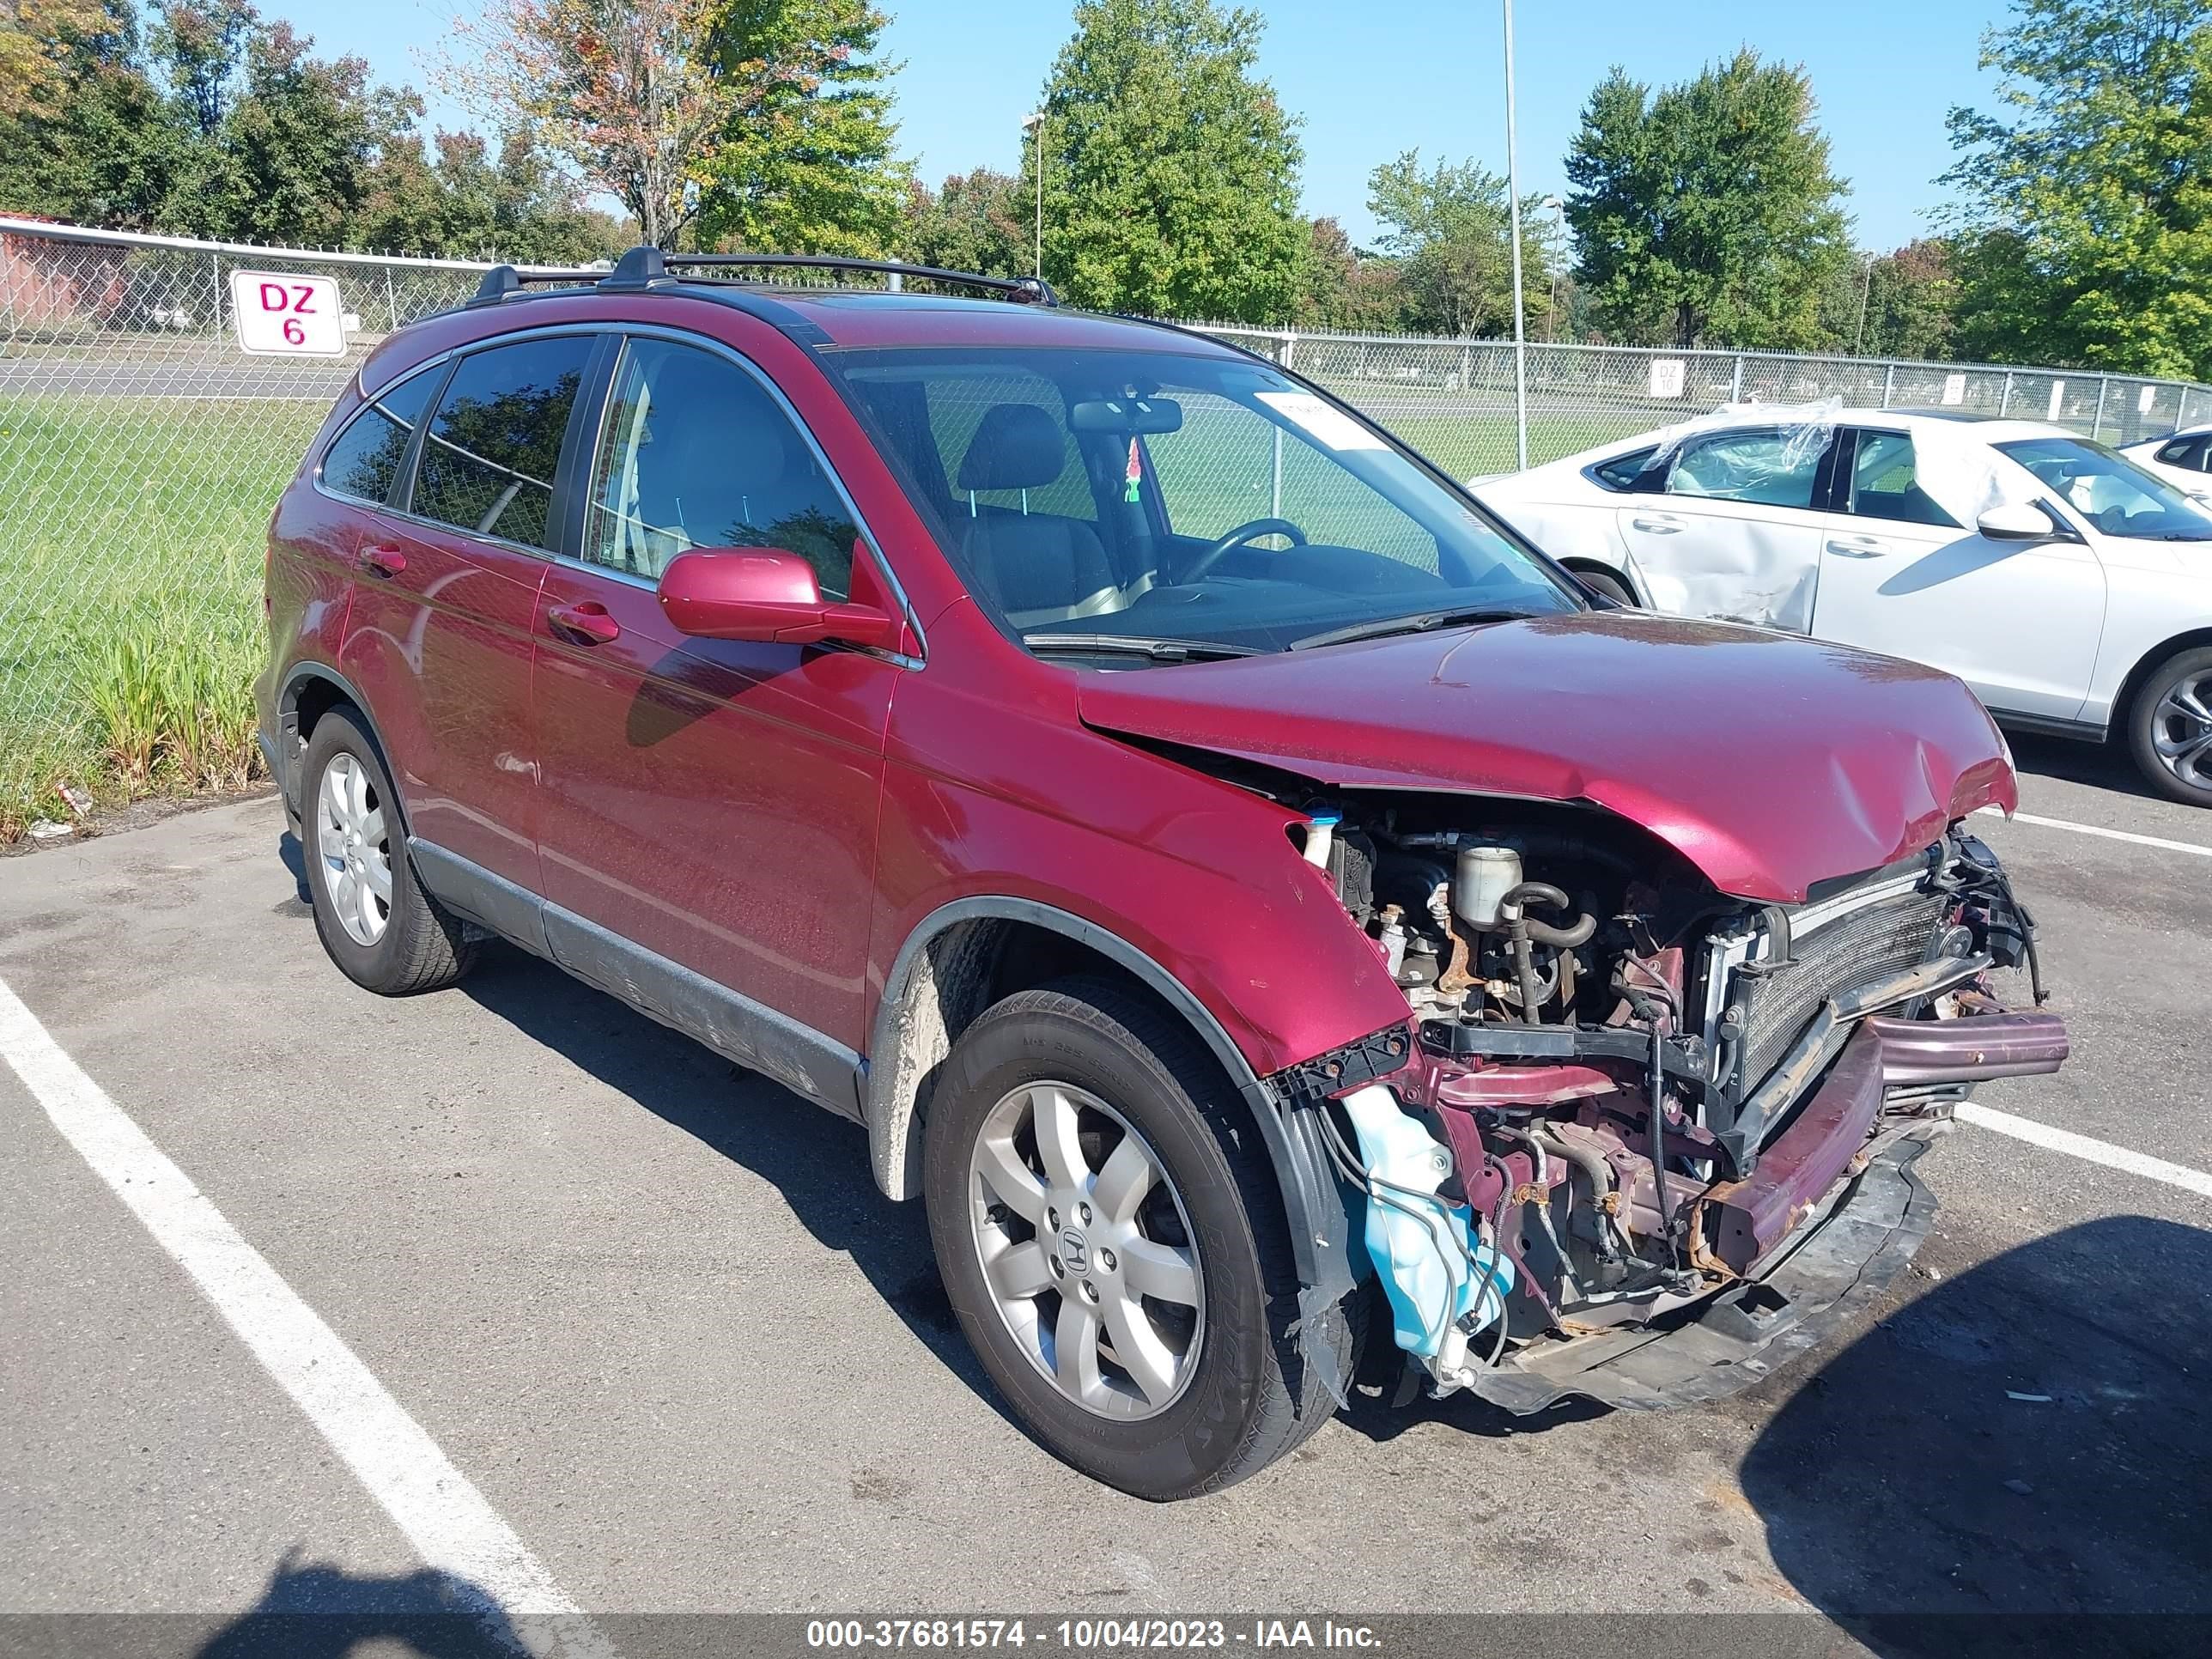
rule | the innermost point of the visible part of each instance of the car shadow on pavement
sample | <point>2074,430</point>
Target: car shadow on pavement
<point>2031,1439</point>
<point>818,1162</point>
<point>314,1610</point>
<point>2100,765</point>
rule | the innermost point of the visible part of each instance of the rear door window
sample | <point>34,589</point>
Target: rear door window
<point>495,443</point>
<point>1772,468</point>
<point>1884,482</point>
<point>2184,452</point>
<point>363,460</point>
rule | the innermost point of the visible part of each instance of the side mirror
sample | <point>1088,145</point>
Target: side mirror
<point>766,594</point>
<point>2016,521</point>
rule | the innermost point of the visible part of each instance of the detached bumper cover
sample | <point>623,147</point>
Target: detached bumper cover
<point>1816,1251</point>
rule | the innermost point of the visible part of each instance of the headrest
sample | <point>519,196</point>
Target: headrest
<point>1016,447</point>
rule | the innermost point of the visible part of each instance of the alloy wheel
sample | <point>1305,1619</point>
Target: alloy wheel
<point>1087,1251</point>
<point>356,847</point>
<point>2181,729</point>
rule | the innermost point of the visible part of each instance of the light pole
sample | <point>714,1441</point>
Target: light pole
<point>1556,251</point>
<point>1034,123</point>
<point>1513,204</point>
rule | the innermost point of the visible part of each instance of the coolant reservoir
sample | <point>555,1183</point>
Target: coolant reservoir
<point>1483,877</point>
<point>1429,1287</point>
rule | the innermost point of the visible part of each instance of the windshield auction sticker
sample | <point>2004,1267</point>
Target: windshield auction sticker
<point>1321,422</point>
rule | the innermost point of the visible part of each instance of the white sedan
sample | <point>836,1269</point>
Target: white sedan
<point>2068,587</point>
<point>2183,459</point>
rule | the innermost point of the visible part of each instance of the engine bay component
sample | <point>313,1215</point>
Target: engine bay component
<point>1628,1095</point>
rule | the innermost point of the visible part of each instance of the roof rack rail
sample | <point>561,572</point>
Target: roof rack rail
<point>645,267</point>
<point>501,281</point>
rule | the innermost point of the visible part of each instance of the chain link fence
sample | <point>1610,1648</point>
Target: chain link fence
<point>1454,399</point>
<point>141,450</point>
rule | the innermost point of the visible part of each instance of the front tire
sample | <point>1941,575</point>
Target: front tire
<point>383,931</point>
<point>1114,1243</point>
<point>2170,727</point>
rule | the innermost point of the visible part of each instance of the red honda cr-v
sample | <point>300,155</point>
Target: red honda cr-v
<point>1231,879</point>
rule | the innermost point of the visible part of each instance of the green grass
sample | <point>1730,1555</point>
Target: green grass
<point>131,545</point>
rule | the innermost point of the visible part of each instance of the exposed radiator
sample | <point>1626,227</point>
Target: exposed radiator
<point>1857,949</point>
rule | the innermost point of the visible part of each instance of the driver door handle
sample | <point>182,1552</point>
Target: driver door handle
<point>587,622</point>
<point>1658,526</point>
<point>1857,547</point>
<point>383,561</point>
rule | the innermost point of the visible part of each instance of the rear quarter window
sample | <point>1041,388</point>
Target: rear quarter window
<point>1621,472</point>
<point>363,460</point>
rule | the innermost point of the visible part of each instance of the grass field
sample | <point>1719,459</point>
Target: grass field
<point>130,553</point>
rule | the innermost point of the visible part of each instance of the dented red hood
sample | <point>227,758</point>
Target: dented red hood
<point>1771,762</point>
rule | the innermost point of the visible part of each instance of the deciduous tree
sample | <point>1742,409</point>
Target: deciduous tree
<point>1706,214</point>
<point>978,221</point>
<point>627,92</point>
<point>1170,169</point>
<point>803,162</point>
<point>1345,287</point>
<point>1450,231</point>
<point>2086,231</point>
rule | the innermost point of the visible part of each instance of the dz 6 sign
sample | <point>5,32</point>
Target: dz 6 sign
<point>279,315</point>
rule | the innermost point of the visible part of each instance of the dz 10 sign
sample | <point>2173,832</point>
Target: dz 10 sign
<point>278,315</point>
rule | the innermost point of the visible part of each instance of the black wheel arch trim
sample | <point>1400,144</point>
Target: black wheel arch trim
<point>1314,1203</point>
<point>287,748</point>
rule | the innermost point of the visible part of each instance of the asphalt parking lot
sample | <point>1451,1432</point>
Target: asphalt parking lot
<point>655,1312</point>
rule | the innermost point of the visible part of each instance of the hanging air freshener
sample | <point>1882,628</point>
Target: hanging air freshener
<point>1135,473</point>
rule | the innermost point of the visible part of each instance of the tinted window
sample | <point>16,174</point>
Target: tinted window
<point>694,452</point>
<point>1622,471</point>
<point>363,459</point>
<point>495,443</point>
<point>1884,483</point>
<point>2181,452</point>
<point>1776,469</point>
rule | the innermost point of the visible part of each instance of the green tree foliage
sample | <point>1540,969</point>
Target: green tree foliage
<point>217,123</point>
<point>805,162</point>
<point>1347,287</point>
<point>1706,214</point>
<point>84,135</point>
<point>2086,232</point>
<point>979,221</point>
<point>1170,170</point>
<point>467,203</point>
<point>1450,233</point>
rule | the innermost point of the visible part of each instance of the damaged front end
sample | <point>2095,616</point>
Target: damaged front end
<point>1640,1141</point>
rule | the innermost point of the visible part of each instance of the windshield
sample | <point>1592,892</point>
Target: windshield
<point>2111,491</point>
<point>1108,499</point>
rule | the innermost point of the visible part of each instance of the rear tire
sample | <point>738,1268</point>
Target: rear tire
<point>1211,1387</point>
<point>1605,583</point>
<point>385,933</point>
<point>2170,727</point>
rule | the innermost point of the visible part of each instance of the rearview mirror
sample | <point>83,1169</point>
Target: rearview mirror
<point>2016,521</point>
<point>1135,416</point>
<point>766,594</point>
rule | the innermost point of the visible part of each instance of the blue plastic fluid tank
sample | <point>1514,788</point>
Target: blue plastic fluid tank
<point>1429,1287</point>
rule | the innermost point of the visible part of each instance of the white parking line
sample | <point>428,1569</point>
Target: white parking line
<point>2097,1151</point>
<point>440,1511</point>
<point>2158,842</point>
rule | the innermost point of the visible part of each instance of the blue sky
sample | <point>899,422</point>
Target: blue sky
<point>1372,80</point>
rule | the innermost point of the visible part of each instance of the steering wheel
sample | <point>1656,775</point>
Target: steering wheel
<point>1237,537</point>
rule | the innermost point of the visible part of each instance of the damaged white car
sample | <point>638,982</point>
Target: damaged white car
<point>2070,587</point>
